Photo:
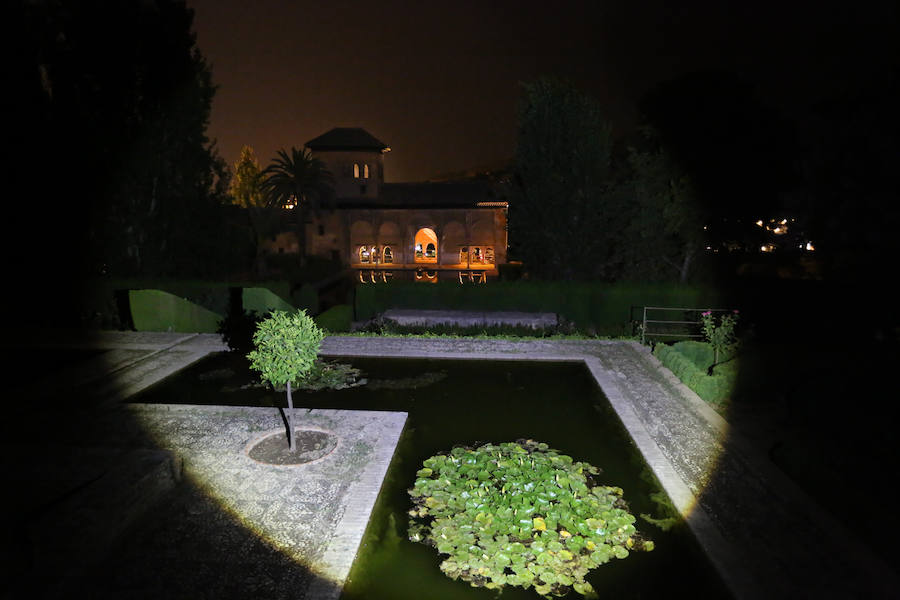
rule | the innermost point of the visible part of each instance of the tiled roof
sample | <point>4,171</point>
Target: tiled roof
<point>346,138</point>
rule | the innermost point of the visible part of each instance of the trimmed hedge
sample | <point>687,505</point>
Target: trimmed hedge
<point>155,310</point>
<point>99,307</point>
<point>337,319</point>
<point>263,300</point>
<point>690,362</point>
<point>605,309</point>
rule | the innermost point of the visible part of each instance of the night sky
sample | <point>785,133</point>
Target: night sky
<point>438,82</point>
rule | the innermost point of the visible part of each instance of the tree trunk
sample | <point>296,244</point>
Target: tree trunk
<point>686,265</point>
<point>290,418</point>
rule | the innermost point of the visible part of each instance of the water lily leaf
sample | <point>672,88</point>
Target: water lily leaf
<point>585,589</point>
<point>575,543</point>
<point>445,547</point>
<point>548,577</point>
<point>512,514</point>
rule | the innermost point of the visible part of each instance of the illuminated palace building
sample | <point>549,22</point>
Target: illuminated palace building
<point>431,231</point>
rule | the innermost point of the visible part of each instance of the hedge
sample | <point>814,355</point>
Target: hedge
<point>605,309</point>
<point>263,300</point>
<point>337,319</point>
<point>99,306</point>
<point>155,310</point>
<point>690,361</point>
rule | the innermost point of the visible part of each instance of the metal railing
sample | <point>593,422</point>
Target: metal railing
<point>683,327</point>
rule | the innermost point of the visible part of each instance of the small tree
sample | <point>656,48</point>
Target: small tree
<point>720,335</point>
<point>287,345</point>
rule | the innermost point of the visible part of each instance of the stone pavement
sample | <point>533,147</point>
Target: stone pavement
<point>164,501</point>
<point>767,538</point>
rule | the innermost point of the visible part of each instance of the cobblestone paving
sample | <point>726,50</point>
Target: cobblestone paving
<point>307,513</point>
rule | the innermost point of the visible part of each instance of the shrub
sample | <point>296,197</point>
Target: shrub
<point>689,361</point>
<point>520,514</point>
<point>720,334</point>
<point>287,345</point>
<point>237,329</point>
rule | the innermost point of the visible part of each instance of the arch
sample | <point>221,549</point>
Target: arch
<point>356,170</point>
<point>425,246</point>
<point>391,242</point>
<point>361,232</point>
<point>482,231</point>
<point>366,171</point>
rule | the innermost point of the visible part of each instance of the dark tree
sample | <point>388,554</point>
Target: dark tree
<point>112,101</point>
<point>850,181</point>
<point>739,152</point>
<point>665,231</point>
<point>558,222</point>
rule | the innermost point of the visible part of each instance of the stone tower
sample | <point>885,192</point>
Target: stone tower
<point>355,158</point>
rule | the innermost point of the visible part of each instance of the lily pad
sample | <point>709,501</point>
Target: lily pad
<point>520,514</point>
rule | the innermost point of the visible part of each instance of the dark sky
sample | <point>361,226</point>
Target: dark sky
<point>438,82</point>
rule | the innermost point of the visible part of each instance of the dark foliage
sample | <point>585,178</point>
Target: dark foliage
<point>559,185</point>
<point>111,101</point>
<point>238,327</point>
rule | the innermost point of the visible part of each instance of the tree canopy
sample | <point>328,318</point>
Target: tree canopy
<point>298,181</point>
<point>664,234</point>
<point>246,181</point>
<point>558,222</point>
<point>115,98</point>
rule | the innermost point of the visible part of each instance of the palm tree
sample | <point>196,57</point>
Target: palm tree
<point>299,181</point>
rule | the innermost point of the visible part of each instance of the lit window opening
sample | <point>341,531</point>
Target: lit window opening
<point>388,255</point>
<point>478,255</point>
<point>356,170</point>
<point>363,254</point>
<point>366,171</point>
<point>425,246</point>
